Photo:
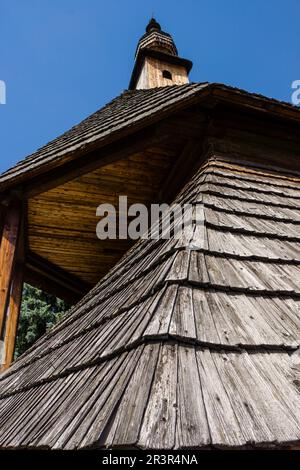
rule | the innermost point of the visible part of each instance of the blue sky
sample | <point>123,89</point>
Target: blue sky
<point>63,59</point>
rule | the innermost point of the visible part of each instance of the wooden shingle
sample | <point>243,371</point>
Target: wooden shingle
<point>184,343</point>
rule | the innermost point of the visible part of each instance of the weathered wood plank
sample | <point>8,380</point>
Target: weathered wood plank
<point>192,428</point>
<point>158,427</point>
<point>159,325</point>
<point>7,254</point>
<point>13,313</point>
<point>224,427</point>
<point>126,426</point>
<point>182,322</point>
<point>101,408</point>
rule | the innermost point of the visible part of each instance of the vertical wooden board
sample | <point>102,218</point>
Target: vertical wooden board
<point>274,369</point>
<point>240,320</point>
<point>268,276</point>
<point>160,322</point>
<point>262,387</point>
<point>250,418</point>
<point>127,422</point>
<point>272,324</point>
<point>13,316</point>
<point>224,427</point>
<point>206,330</point>
<point>251,326</point>
<point>180,266</point>
<point>185,236</point>
<point>287,313</point>
<point>182,321</point>
<point>199,240</point>
<point>223,319</point>
<point>7,255</point>
<point>198,272</point>
<point>220,272</point>
<point>158,427</point>
<point>191,426</point>
<point>235,273</point>
<point>101,405</point>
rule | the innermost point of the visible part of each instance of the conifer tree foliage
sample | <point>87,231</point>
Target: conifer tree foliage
<point>39,312</point>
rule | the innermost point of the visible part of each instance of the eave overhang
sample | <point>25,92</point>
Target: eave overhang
<point>206,95</point>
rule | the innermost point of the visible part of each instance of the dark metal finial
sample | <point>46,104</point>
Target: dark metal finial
<point>153,25</point>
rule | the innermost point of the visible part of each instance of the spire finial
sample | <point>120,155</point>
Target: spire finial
<point>153,25</point>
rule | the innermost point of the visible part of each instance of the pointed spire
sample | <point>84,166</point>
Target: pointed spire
<point>156,60</point>
<point>156,39</point>
<point>153,25</point>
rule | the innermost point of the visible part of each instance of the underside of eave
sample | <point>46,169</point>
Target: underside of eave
<point>115,138</point>
<point>63,255</point>
<point>207,95</point>
<point>50,193</point>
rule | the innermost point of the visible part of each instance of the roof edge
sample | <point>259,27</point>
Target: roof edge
<point>207,94</point>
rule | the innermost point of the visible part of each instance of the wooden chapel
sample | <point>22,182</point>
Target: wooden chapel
<point>169,344</point>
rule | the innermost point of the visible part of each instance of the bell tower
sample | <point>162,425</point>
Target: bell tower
<point>157,62</point>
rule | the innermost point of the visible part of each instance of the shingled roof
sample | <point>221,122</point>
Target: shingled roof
<point>184,343</point>
<point>131,111</point>
<point>128,111</point>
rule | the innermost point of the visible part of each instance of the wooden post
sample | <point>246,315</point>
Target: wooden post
<point>8,249</point>
<point>12,318</point>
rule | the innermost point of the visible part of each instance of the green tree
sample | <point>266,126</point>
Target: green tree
<point>39,312</point>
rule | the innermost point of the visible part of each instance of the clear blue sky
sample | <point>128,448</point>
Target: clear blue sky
<point>63,59</point>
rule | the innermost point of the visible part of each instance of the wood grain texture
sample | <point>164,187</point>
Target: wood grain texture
<point>62,221</point>
<point>13,313</point>
<point>151,75</point>
<point>158,427</point>
<point>7,255</point>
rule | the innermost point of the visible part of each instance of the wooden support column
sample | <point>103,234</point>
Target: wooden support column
<point>9,277</point>
<point>13,312</point>
<point>8,249</point>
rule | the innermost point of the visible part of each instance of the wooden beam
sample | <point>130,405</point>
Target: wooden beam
<point>50,278</point>
<point>13,309</point>
<point>12,317</point>
<point>8,250</point>
<point>182,169</point>
<point>41,281</point>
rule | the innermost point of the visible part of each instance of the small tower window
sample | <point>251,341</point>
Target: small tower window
<point>167,74</point>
